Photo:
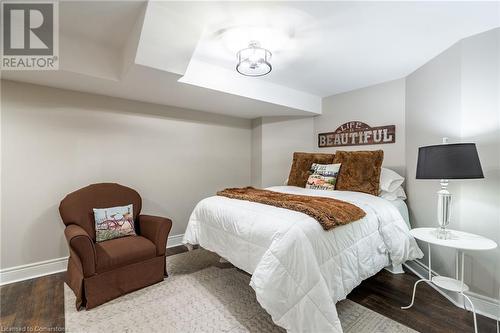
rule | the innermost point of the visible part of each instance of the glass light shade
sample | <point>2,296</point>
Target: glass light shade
<point>254,60</point>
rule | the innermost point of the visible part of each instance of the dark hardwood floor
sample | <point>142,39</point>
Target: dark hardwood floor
<point>385,293</point>
<point>39,304</point>
<point>36,304</point>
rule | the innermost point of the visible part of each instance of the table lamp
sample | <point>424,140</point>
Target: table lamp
<point>444,162</point>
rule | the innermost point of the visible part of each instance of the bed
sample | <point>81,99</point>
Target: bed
<point>299,271</point>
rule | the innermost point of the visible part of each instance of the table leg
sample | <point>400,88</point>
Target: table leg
<point>429,280</point>
<point>473,311</point>
<point>461,254</point>
<point>430,267</point>
<point>465,297</point>
<point>413,296</point>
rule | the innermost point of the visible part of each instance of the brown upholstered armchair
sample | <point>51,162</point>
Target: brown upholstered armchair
<point>99,272</point>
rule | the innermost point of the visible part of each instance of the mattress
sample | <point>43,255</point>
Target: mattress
<point>299,271</point>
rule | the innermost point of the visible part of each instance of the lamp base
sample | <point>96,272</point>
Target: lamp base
<point>443,210</point>
<point>442,233</point>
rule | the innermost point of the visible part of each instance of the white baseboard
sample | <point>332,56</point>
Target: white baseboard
<point>174,240</point>
<point>484,305</point>
<point>52,266</point>
<point>33,270</point>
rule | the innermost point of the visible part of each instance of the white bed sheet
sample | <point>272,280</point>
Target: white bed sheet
<point>402,209</point>
<point>299,271</point>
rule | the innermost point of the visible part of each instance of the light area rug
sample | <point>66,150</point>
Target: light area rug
<point>202,295</point>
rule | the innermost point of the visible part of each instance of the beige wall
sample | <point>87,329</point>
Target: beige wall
<point>456,95</point>
<point>480,200</point>
<point>56,141</point>
<point>378,105</point>
<point>276,138</point>
<point>432,112</point>
<point>279,138</point>
<point>257,152</point>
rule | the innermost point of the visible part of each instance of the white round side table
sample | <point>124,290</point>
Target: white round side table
<point>461,241</point>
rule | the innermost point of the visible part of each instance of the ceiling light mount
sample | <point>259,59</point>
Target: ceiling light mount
<point>254,60</point>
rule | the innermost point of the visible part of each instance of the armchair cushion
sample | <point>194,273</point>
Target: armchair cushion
<point>82,245</point>
<point>156,229</point>
<point>119,252</point>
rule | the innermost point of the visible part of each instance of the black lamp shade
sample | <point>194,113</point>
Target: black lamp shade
<point>449,161</point>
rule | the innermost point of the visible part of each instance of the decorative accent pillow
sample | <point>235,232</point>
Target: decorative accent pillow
<point>323,176</point>
<point>360,171</point>
<point>113,222</point>
<point>301,166</point>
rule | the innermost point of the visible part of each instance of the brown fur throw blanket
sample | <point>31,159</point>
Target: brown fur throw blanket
<point>329,212</point>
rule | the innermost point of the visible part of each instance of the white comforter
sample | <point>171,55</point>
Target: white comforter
<point>299,271</point>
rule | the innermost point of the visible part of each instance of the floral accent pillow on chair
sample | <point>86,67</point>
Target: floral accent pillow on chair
<point>113,222</point>
<point>323,177</point>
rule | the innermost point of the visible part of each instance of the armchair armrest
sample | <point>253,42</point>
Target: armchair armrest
<point>80,243</point>
<point>156,229</point>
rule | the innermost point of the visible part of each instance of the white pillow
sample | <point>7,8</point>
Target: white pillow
<point>398,193</point>
<point>390,180</point>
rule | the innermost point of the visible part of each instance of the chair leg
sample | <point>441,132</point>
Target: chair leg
<point>165,266</point>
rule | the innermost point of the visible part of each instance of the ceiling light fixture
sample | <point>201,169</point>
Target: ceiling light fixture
<point>254,60</point>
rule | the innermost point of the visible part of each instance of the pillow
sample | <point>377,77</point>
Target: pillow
<point>360,171</point>
<point>323,176</point>
<point>113,222</point>
<point>390,180</point>
<point>398,193</point>
<point>301,166</point>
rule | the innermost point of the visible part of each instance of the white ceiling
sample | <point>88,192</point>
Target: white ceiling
<point>183,53</point>
<point>103,22</point>
<point>334,47</point>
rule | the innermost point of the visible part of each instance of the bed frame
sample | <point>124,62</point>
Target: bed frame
<point>395,269</point>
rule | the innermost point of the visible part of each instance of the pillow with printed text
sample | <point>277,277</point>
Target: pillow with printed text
<point>323,176</point>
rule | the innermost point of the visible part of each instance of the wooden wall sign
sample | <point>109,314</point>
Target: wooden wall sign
<point>356,133</point>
